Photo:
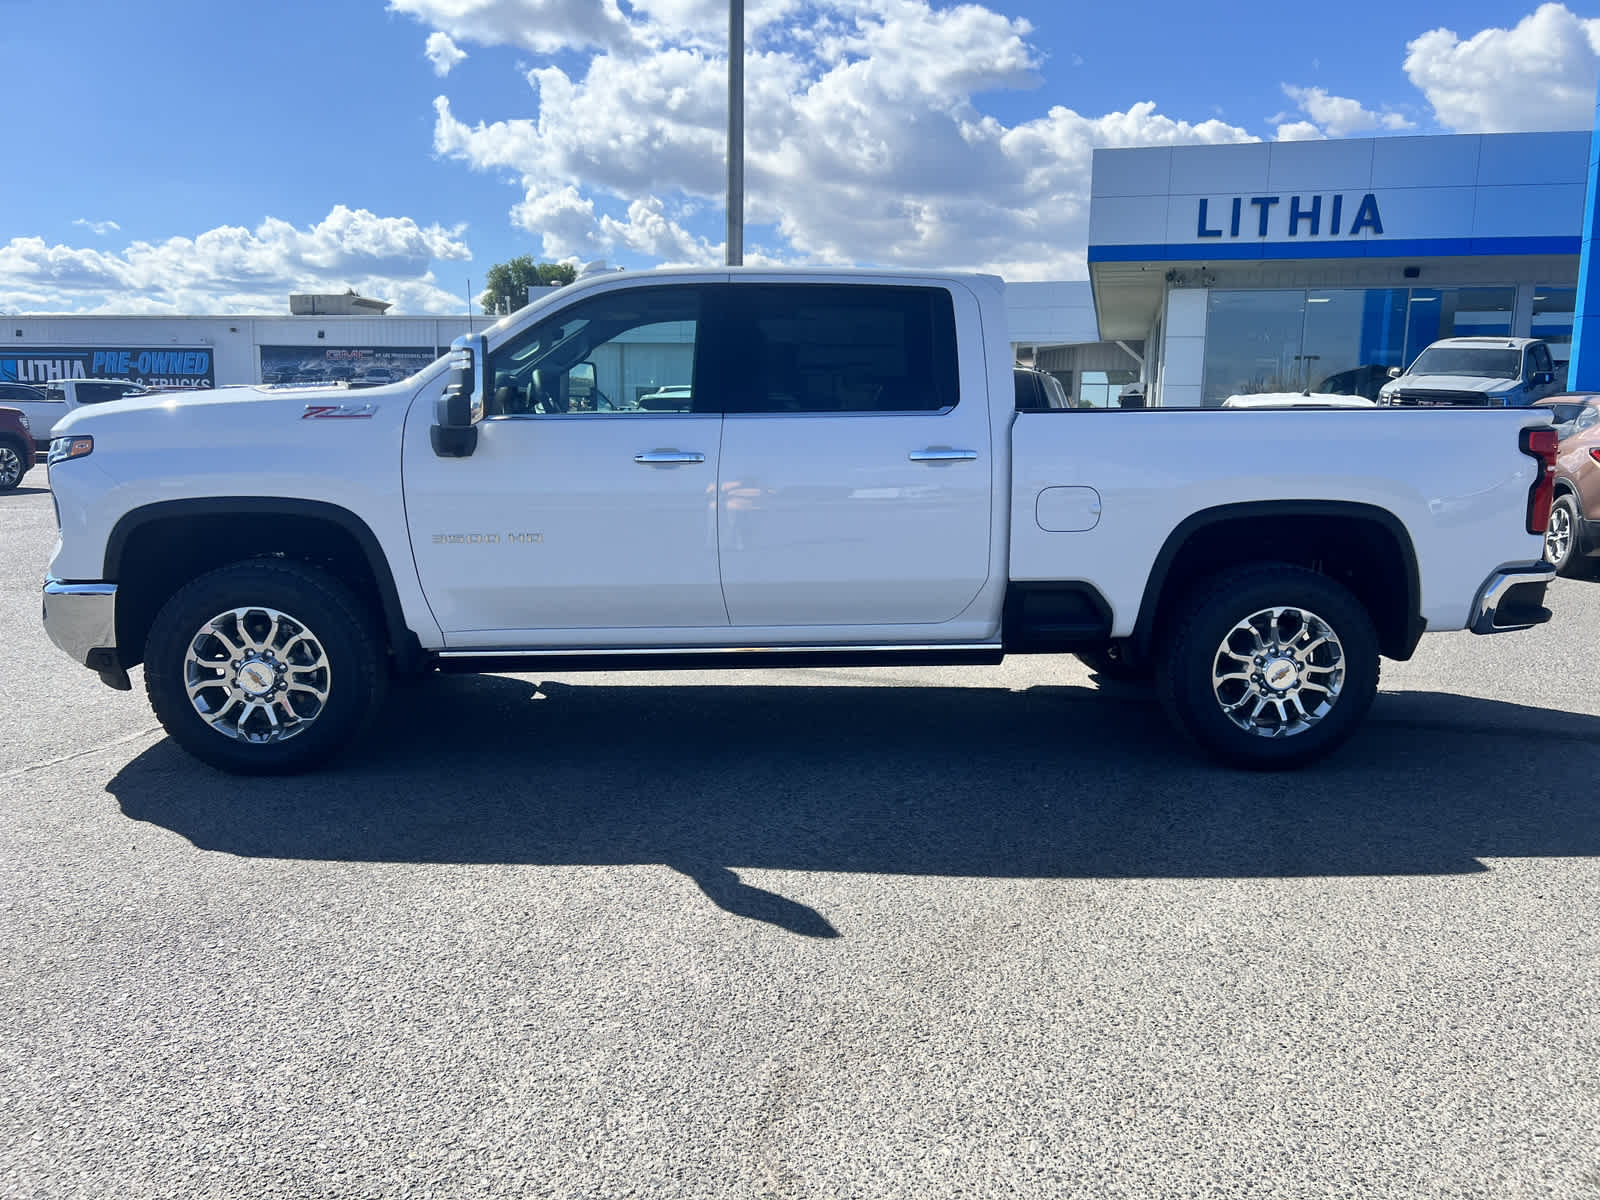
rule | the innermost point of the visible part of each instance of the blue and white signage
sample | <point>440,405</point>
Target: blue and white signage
<point>1301,216</point>
<point>164,366</point>
<point>1458,195</point>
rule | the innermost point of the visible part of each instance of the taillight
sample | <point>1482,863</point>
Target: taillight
<point>1541,444</point>
<point>1594,453</point>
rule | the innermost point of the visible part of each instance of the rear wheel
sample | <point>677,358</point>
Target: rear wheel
<point>1561,536</point>
<point>1270,667</point>
<point>263,667</point>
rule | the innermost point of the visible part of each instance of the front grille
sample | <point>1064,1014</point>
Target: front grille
<point>1426,399</point>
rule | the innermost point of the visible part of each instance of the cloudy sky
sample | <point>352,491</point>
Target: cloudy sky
<point>188,156</point>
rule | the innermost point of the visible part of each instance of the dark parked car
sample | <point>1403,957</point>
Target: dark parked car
<point>1038,390</point>
<point>16,448</point>
<point>1573,536</point>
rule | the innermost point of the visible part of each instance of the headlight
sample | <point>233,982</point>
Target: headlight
<point>64,448</point>
<point>27,425</point>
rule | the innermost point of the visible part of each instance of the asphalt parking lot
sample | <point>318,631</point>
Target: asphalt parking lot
<point>908,933</point>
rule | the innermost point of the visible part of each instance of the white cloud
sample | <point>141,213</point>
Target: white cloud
<point>544,26</point>
<point>1299,131</point>
<point>864,143</point>
<point>233,269</point>
<point>98,228</point>
<point>1335,116</point>
<point>443,53</point>
<point>1538,75</point>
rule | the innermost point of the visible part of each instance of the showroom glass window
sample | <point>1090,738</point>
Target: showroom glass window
<point>1457,312</point>
<point>1253,343</point>
<point>1336,340</point>
<point>1552,320</point>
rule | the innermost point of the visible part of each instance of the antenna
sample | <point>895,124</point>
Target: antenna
<point>469,305</point>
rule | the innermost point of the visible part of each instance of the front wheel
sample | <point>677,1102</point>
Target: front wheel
<point>1270,667</point>
<point>263,667</point>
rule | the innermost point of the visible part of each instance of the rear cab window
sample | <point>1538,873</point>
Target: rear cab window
<point>837,348</point>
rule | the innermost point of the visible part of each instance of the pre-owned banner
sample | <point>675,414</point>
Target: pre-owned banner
<point>163,366</point>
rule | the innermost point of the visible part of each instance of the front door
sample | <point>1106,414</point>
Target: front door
<point>856,464</point>
<point>588,509</point>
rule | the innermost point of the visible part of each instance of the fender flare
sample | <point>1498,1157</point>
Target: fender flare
<point>402,639</point>
<point>1353,510</point>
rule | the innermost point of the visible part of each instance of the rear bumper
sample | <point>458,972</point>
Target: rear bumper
<point>81,619</point>
<point>1512,598</point>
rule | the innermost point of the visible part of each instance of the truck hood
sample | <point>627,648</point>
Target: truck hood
<point>256,407</point>
<point>1452,383</point>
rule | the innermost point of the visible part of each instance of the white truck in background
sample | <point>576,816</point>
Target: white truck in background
<point>47,405</point>
<point>842,478</point>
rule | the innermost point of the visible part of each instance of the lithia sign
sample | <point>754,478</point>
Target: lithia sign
<point>1304,216</point>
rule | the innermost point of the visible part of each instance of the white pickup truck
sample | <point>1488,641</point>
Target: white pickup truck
<point>841,478</point>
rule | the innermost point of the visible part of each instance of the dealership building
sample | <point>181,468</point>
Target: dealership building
<point>1269,266</point>
<point>1287,266</point>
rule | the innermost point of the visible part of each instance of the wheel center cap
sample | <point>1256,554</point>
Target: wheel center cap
<point>257,678</point>
<point>1280,673</point>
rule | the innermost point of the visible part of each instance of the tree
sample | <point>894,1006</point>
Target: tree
<point>508,282</point>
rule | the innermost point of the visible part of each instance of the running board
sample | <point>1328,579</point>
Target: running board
<point>698,658</point>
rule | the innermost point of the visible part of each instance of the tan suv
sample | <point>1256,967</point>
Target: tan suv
<point>1573,536</point>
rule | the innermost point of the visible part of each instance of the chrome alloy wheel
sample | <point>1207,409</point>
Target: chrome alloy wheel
<point>1558,537</point>
<point>256,675</point>
<point>10,467</point>
<point>1278,672</point>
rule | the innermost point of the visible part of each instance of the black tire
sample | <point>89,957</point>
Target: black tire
<point>1215,611</point>
<point>1561,539</point>
<point>1109,663</point>
<point>13,459</point>
<point>339,654</point>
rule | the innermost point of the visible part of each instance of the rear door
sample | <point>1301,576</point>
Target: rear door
<point>854,487</point>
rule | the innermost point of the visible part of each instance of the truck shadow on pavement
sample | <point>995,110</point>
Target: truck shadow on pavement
<point>1050,782</point>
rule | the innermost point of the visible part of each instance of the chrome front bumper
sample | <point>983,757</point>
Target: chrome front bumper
<point>1512,598</point>
<point>81,619</point>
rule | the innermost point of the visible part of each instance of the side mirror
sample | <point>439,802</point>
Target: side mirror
<point>1394,372</point>
<point>458,411</point>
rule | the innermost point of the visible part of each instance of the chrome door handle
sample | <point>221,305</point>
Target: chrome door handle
<point>942,454</point>
<point>657,457</point>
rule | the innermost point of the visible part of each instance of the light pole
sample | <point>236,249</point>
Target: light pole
<point>735,240</point>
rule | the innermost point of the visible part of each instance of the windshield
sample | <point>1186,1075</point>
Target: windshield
<point>1468,360</point>
<point>99,393</point>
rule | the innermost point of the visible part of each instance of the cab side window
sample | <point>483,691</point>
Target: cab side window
<point>1541,359</point>
<point>833,348</point>
<point>624,352</point>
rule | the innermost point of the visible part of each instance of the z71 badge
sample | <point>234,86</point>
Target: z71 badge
<point>339,412</point>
